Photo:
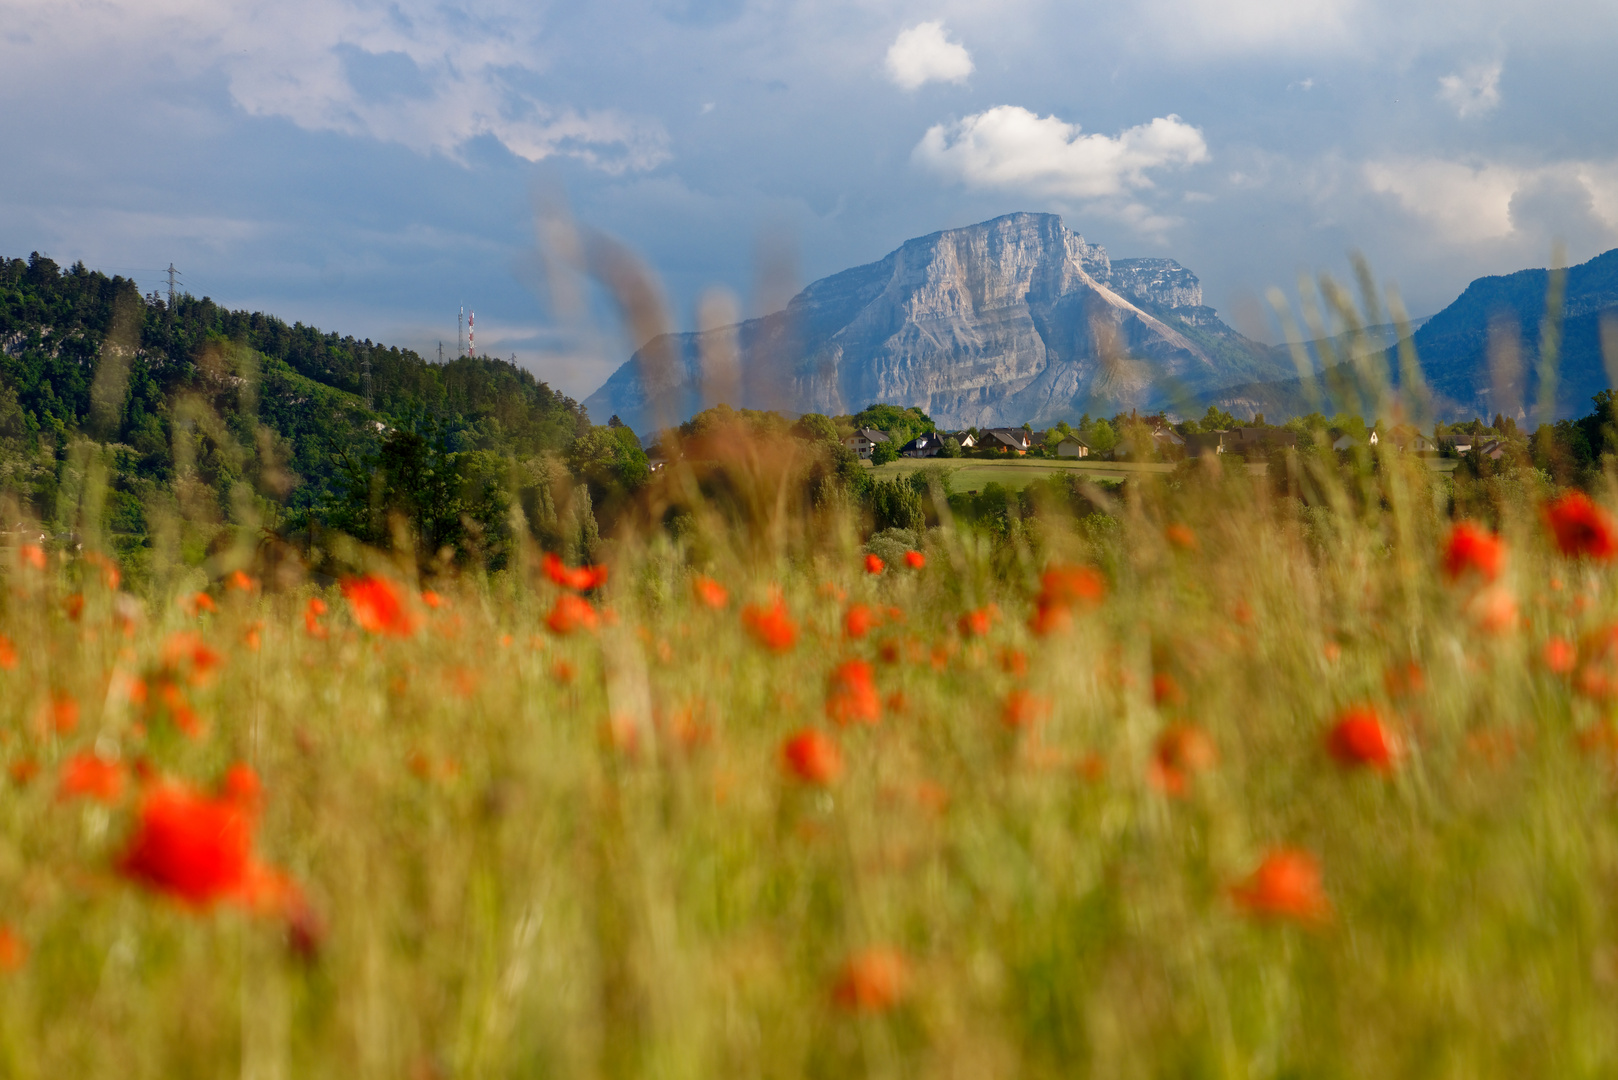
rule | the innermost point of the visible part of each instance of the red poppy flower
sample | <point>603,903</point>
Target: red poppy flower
<point>873,980</point>
<point>8,653</point>
<point>74,606</point>
<point>378,606</point>
<point>193,847</point>
<point>1581,527</point>
<point>13,949</point>
<point>1072,585</point>
<point>874,565</point>
<point>241,581</point>
<point>853,696</point>
<point>915,560</point>
<point>1473,549</point>
<point>1050,618</point>
<point>709,592</point>
<point>1494,609</point>
<point>32,555</point>
<point>185,652</point>
<point>1359,737</point>
<point>976,623</point>
<point>571,613</point>
<point>579,579</point>
<point>198,848</point>
<point>1166,691</point>
<point>771,626</point>
<point>1599,738</point>
<point>1181,537</point>
<point>63,712</point>
<point>1181,752</point>
<point>859,621</point>
<point>179,709</point>
<point>87,776</point>
<point>1023,711</point>
<point>432,599</point>
<point>1598,670</point>
<point>1014,662</point>
<point>311,617</point>
<point>1559,655</point>
<point>1062,588</point>
<point>110,574</point>
<point>1286,885</point>
<point>813,756</point>
<point>197,603</point>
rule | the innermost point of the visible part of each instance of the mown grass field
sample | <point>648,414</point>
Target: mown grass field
<point>972,474</point>
<point>1240,788</point>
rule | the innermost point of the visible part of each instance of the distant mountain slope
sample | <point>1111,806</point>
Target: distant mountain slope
<point>1453,348</point>
<point>1002,322</point>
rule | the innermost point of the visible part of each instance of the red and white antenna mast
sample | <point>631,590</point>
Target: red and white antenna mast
<point>471,335</point>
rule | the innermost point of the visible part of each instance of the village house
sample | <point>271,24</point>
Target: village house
<point>862,440</point>
<point>925,445</point>
<point>1259,438</point>
<point>1239,441</point>
<point>1167,440</point>
<point>1072,446</point>
<point>1011,440</point>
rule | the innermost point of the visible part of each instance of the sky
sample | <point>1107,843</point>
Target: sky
<point>369,167</point>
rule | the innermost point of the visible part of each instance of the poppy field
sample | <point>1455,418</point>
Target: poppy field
<point>1217,781</point>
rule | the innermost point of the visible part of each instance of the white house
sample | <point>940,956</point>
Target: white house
<point>1072,446</point>
<point>862,440</point>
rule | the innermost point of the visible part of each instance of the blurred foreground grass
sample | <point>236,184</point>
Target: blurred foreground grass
<point>516,851</point>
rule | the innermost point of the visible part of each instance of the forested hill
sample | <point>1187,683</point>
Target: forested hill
<point>273,414</point>
<point>54,322</point>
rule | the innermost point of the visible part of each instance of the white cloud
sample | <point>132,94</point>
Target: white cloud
<point>1474,92</point>
<point>1010,148</point>
<point>1464,203</point>
<point>923,54</point>
<point>1471,204</point>
<point>431,77</point>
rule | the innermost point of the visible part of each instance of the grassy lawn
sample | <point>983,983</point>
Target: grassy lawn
<point>969,474</point>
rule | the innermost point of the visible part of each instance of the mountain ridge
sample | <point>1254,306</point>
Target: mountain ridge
<point>1004,321</point>
<point>1455,348</point>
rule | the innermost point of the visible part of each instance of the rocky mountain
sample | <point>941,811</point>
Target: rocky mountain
<point>1163,282</point>
<point>1496,317</point>
<point>1011,320</point>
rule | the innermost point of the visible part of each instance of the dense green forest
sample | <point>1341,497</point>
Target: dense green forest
<point>232,425</point>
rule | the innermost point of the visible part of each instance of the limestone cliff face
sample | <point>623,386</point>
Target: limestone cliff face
<point>1012,320</point>
<point>1163,282</point>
